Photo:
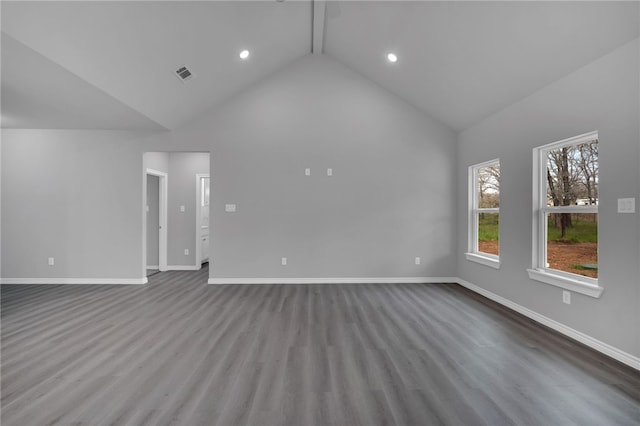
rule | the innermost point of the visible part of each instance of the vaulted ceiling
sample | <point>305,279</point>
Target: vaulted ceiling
<point>110,65</point>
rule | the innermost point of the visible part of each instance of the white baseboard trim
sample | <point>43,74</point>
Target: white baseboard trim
<point>348,280</point>
<point>153,267</point>
<point>74,280</point>
<point>613,352</point>
<point>183,267</point>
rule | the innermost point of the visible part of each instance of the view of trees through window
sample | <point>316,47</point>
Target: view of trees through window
<point>570,211</point>
<point>488,186</point>
<point>572,237</point>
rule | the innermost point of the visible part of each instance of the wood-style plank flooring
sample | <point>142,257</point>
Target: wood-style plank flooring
<point>178,351</point>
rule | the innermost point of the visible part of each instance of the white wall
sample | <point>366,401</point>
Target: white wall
<point>181,169</point>
<point>388,201</point>
<point>181,227</point>
<point>77,195</point>
<point>158,161</point>
<point>602,96</point>
<point>74,195</point>
<point>1,180</point>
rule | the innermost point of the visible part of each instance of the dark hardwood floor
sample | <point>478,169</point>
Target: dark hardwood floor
<point>178,351</point>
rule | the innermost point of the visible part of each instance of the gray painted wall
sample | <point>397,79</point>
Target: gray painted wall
<point>388,201</point>
<point>181,169</point>
<point>1,201</point>
<point>392,196</point>
<point>73,195</point>
<point>158,161</point>
<point>602,96</point>
<point>153,220</point>
<point>181,226</point>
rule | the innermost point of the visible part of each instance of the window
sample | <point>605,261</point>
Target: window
<point>565,225</point>
<point>484,213</point>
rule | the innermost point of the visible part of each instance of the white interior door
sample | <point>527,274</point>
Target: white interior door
<point>154,252</point>
<point>205,189</point>
<point>153,223</point>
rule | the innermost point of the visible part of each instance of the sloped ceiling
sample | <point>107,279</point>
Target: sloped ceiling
<point>37,92</point>
<point>130,50</point>
<point>463,61</point>
<point>458,61</point>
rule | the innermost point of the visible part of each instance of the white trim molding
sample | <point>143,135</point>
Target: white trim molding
<point>487,260</point>
<point>143,280</point>
<point>163,218</point>
<point>540,270</point>
<point>153,267</point>
<point>198,207</point>
<point>474,210</point>
<point>184,267</point>
<point>568,283</point>
<point>611,351</point>
<point>344,280</point>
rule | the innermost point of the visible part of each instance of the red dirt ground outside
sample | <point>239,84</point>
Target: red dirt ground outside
<point>561,256</point>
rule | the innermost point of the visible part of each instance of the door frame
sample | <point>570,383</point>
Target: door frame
<point>162,232</point>
<point>199,177</point>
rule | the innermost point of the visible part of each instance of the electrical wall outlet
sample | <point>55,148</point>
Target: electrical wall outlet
<point>51,261</point>
<point>182,209</point>
<point>186,252</point>
<point>626,205</point>
<point>283,261</point>
<point>307,172</point>
<point>329,172</point>
<point>418,260</point>
<point>566,297</point>
<point>230,208</point>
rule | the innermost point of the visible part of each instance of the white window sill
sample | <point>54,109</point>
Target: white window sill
<point>484,259</point>
<point>575,285</point>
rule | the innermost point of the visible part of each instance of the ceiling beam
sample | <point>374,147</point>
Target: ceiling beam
<point>317,30</point>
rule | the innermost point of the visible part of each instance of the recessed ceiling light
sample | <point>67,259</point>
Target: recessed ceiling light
<point>244,54</point>
<point>391,57</point>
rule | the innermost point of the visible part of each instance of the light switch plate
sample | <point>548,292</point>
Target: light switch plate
<point>182,209</point>
<point>51,261</point>
<point>329,172</point>
<point>418,260</point>
<point>626,205</point>
<point>283,261</point>
<point>307,172</point>
<point>230,208</point>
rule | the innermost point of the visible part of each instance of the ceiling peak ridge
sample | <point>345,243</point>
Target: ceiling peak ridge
<point>318,11</point>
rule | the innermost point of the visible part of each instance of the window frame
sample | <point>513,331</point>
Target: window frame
<point>473,253</point>
<point>539,270</point>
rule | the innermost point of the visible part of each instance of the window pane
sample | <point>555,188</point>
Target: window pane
<point>488,235</point>
<point>572,175</point>
<point>572,243</point>
<point>488,187</point>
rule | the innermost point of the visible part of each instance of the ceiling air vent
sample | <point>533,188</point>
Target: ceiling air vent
<point>183,73</point>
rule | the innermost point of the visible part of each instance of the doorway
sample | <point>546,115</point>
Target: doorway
<point>156,222</point>
<point>203,193</point>
<point>153,224</point>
